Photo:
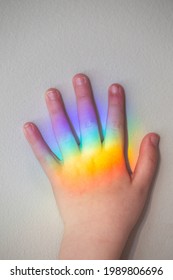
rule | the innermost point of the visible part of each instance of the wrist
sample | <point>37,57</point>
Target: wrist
<point>85,242</point>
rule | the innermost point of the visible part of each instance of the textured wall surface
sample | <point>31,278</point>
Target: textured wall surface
<point>44,44</point>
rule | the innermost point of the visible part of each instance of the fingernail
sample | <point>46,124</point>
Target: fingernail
<point>52,95</point>
<point>115,89</point>
<point>29,127</point>
<point>80,81</point>
<point>155,140</point>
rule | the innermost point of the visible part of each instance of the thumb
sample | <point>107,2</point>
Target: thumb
<point>147,161</point>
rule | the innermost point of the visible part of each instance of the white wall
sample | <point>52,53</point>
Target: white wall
<point>44,44</point>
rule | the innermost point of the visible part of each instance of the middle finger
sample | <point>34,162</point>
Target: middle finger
<point>90,136</point>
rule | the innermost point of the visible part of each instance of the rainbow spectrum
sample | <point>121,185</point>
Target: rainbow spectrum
<point>93,162</point>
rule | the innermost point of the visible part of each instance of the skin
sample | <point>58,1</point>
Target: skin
<point>100,201</point>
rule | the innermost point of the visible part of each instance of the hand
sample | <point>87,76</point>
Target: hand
<point>99,200</point>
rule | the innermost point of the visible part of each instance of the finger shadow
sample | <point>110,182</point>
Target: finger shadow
<point>126,139</point>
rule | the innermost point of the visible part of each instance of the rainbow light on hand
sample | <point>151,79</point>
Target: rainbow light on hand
<point>94,163</point>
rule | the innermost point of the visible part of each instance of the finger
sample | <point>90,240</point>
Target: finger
<point>47,159</point>
<point>61,126</point>
<point>147,162</point>
<point>115,126</point>
<point>89,132</point>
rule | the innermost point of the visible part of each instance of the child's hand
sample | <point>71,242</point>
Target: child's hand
<point>100,202</point>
